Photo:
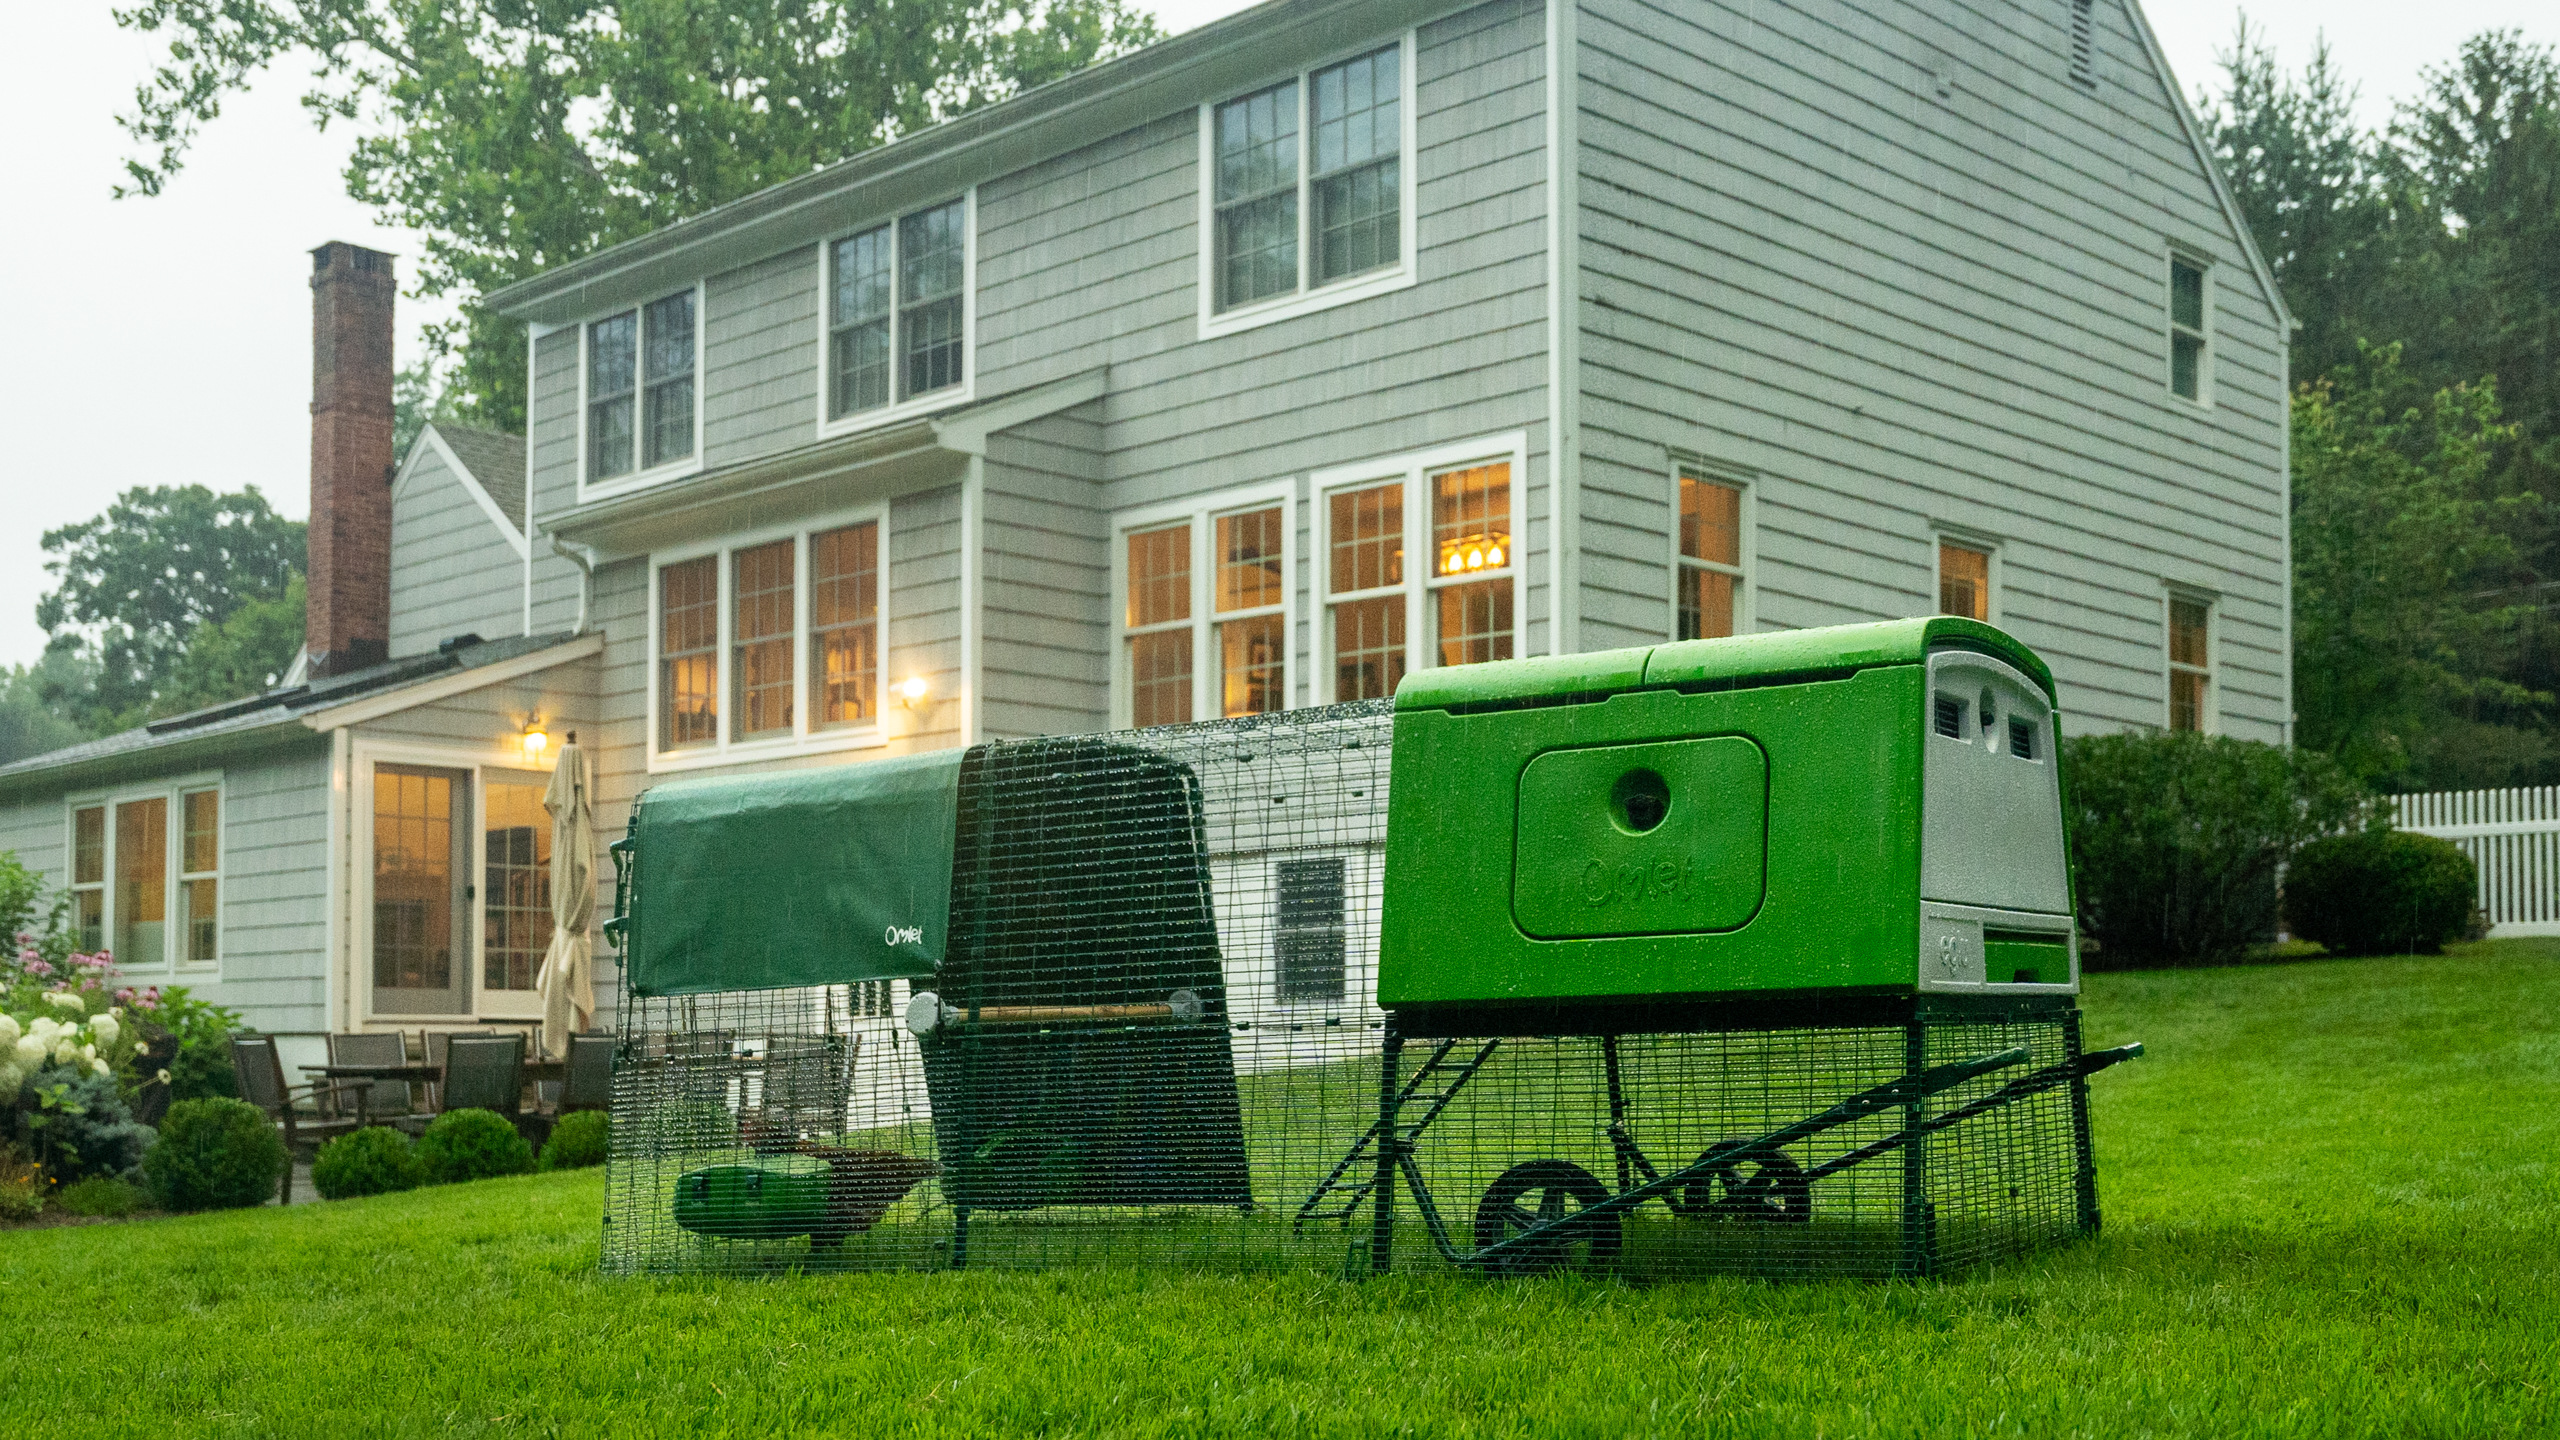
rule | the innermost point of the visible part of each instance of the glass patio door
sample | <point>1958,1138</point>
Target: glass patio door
<point>421,890</point>
<point>515,889</point>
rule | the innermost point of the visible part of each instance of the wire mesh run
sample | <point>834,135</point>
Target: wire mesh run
<point>1154,1040</point>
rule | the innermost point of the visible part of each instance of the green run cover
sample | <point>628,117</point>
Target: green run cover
<point>823,876</point>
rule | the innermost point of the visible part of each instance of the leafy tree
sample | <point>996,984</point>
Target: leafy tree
<point>28,724</point>
<point>245,652</point>
<point>418,396</point>
<point>137,582</point>
<point>519,136</point>
<point>2394,652</point>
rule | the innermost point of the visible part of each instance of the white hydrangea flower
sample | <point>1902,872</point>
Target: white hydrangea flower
<point>98,1065</point>
<point>29,1053</point>
<point>65,1000</point>
<point>44,1029</point>
<point>64,1052</point>
<point>9,1031</point>
<point>104,1028</point>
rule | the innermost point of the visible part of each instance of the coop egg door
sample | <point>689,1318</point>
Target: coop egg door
<point>1652,839</point>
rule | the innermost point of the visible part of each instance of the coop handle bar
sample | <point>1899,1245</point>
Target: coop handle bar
<point>928,1012</point>
<point>2019,1089</point>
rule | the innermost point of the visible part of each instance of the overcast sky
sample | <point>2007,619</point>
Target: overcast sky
<point>168,341</point>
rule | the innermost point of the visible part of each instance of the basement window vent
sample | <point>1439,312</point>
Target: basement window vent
<point>2084,43</point>
<point>1951,717</point>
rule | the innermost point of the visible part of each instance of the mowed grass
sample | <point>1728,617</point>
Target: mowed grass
<point>2331,1209</point>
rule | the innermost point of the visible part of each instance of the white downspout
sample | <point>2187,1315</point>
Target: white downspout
<point>579,556</point>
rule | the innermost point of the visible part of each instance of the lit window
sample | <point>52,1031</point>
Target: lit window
<point>1366,535</point>
<point>761,595</point>
<point>1964,581</point>
<point>1710,572</point>
<point>640,388</point>
<point>199,878</point>
<point>898,315</point>
<point>515,883</point>
<point>1308,181</point>
<point>2188,350</point>
<point>688,653</point>
<point>844,621</point>
<point>1471,543</point>
<point>1252,632</point>
<point>142,883</point>
<point>2190,663</point>
<point>1159,626</point>
<point>89,877</point>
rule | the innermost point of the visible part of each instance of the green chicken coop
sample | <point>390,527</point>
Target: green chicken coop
<point>1737,956</point>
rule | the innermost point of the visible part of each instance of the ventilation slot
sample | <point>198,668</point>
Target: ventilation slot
<point>1951,717</point>
<point>2022,738</point>
<point>2084,42</point>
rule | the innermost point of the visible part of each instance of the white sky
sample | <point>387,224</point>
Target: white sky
<point>167,341</point>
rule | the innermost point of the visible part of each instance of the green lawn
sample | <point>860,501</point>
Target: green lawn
<point>2332,1209</point>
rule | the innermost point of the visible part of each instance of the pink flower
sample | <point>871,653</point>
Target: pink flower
<point>38,966</point>
<point>149,999</point>
<point>124,996</point>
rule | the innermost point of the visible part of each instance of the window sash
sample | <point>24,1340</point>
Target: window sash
<point>141,889</point>
<point>898,310</point>
<point>89,876</point>
<point>688,650</point>
<point>613,362</point>
<point>2190,663</point>
<point>1307,181</point>
<point>1466,593</point>
<point>844,623</point>
<point>199,876</point>
<point>763,600</point>
<point>1355,155</point>
<point>1964,581</point>
<point>2188,337</point>
<point>667,338</point>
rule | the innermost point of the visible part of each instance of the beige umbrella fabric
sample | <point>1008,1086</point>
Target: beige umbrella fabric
<point>567,982</point>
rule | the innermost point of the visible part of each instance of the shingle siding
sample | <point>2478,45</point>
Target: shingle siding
<point>760,358</point>
<point>452,572</point>
<point>1904,310</point>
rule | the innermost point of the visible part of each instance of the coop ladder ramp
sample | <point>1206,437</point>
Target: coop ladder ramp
<point>1452,1076</point>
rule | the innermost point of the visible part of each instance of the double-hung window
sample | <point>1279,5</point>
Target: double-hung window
<point>774,642</point>
<point>640,381</point>
<point>898,312</point>
<point>1308,191</point>
<point>146,877</point>
<point>1707,598</point>
<point>2190,663</point>
<point>1204,616</point>
<point>1384,614</point>
<point>1964,580</point>
<point>2190,329</point>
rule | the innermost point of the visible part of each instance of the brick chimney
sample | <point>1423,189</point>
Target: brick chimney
<point>348,625</point>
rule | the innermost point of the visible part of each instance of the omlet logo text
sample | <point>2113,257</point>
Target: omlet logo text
<point>902,935</point>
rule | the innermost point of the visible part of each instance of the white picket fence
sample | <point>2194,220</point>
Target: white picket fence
<point>2514,837</point>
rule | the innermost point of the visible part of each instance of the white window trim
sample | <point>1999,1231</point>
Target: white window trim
<point>1421,651</point>
<point>642,479</point>
<point>1746,590</point>
<point>803,740</point>
<point>1201,513</point>
<point>173,844</point>
<point>2203,398</point>
<point>486,1004</point>
<point>1941,538</point>
<point>2209,720</point>
<point>1307,298</point>
<point>947,396</point>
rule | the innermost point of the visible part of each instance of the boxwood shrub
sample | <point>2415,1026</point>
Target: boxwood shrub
<point>577,1141</point>
<point>375,1160</point>
<point>2177,840</point>
<point>472,1145</point>
<point>214,1154</point>
<point>2380,892</point>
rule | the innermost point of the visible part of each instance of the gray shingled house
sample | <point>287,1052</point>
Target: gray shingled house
<point>1251,371</point>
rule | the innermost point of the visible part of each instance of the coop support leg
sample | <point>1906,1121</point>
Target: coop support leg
<point>1382,1227</point>
<point>2084,1155</point>
<point>1919,1223</point>
<point>959,1237</point>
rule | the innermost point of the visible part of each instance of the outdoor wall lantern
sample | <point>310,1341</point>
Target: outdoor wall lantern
<point>536,740</point>
<point>910,691</point>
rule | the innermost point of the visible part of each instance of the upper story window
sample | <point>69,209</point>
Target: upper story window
<point>1384,615</point>
<point>2190,663</point>
<point>146,877</point>
<point>640,379</point>
<point>898,313</point>
<point>774,643</point>
<point>1708,581</point>
<point>2190,330</point>
<point>1307,191</point>
<point>1964,580</point>
<point>1204,614</point>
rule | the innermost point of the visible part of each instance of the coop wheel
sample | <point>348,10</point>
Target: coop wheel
<point>1535,1193</point>
<point>1772,1188</point>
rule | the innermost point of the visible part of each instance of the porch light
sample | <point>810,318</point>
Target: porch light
<point>910,691</point>
<point>536,740</point>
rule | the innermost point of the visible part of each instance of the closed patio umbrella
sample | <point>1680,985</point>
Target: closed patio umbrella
<point>567,983</point>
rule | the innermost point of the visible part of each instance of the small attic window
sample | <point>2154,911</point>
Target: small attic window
<point>2084,43</point>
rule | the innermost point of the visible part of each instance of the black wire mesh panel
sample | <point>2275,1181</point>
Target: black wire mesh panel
<point>1153,1040</point>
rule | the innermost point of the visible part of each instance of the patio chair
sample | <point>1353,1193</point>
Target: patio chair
<point>588,1085</point>
<point>436,1040</point>
<point>385,1102</point>
<point>486,1072</point>
<point>260,1073</point>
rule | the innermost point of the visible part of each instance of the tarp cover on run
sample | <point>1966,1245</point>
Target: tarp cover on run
<point>824,876</point>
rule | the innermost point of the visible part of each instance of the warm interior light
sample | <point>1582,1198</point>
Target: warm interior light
<point>535,741</point>
<point>910,690</point>
<point>1473,552</point>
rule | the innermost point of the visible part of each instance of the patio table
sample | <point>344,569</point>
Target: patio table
<point>417,1075</point>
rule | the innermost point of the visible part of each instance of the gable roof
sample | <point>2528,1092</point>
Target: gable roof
<point>291,710</point>
<point>487,464</point>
